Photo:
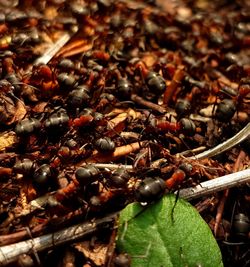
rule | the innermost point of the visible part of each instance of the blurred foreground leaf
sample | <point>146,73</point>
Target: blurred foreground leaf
<point>160,236</point>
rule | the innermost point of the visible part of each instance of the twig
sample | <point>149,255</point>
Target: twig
<point>11,253</point>
<point>78,50</point>
<point>220,210</point>
<point>215,185</point>
<point>139,100</point>
<point>113,166</point>
<point>119,152</point>
<point>130,135</point>
<point>175,83</point>
<point>228,144</point>
<point>221,206</point>
<point>71,46</point>
<point>223,79</point>
<point>191,151</point>
<point>51,52</point>
<point>42,228</point>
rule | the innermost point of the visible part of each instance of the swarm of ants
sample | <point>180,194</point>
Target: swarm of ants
<point>114,114</point>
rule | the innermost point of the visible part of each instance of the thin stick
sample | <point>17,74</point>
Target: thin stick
<point>215,185</point>
<point>51,52</point>
<point>175,83</point>
<point>78,50</point>
<point>11,253</point>
<point>139,100</point>
<point>223,79</point>
<point>72,46</point>
<point>41,228</point>
<point>113,166</point>
<point>221,206</point>
<point>191,151</point>
<point>220,210</point>
<point>228,144</point>
<point>118,153</point>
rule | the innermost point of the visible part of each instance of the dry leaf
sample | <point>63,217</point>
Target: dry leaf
<point>7,139</point>
<point>149,59</point>
<point>97,254</point>
<point>20,112</point>
<point>39,108</point>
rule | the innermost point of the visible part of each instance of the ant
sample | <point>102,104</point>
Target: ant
<point>227,107</point>
<point>154,81</point>
<point>152,188</point>
<point>25,166</point>
<point>119,178</point>
<point>183,105</point>
<point>66,81</point>
<point>70,151</point>
<point>225,110</point>
<point>106,102</point>
<point>44,78</point>
<point>87,175</point>
<point>44,177</point>
<point>184,125</point>
<point>80,95</point>
<point>27,126</point>
<point>105,145</point>
<point>97,55</point>
<point>57,120</point>
<point>88,117</point>
<point>66,64</point>
<point>123,87</point>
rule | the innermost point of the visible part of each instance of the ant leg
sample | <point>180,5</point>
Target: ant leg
<point>175,203</point>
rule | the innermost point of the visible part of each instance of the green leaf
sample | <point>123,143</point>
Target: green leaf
<point>160,236</point>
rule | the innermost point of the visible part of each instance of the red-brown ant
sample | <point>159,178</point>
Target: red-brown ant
<point>183,105</point>
<point>25,166</point>
<point>123,86</point>
<point>66,81</point>
<point>43,177</point>
<point>88,117</point>
<point>8,66</point>
<point>227,107</point>
<point>43,72</point>
<point>57,120</point>
<point>240,226</point>
<point>79,97</point>
<point>66,64</point>
<point>70,151</point>
<point>43,77</point>
<point>119,178</point>
<point>27,126</point>
<point>105,145</point>
<point>83,121</point>
<point>106,101</point>
<point>184,125</point>
<point>150,189</point>
<point>176,178</point>
<point>87,175</point>
<point>98,55</point>
<point>154,81</point>
<point>225,110</point>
